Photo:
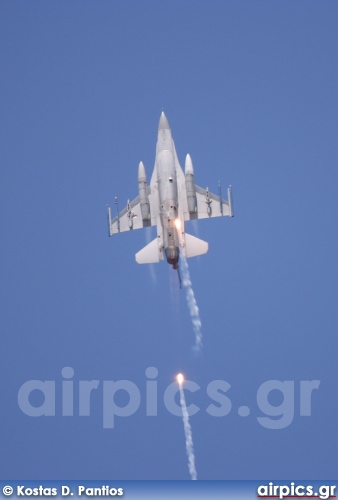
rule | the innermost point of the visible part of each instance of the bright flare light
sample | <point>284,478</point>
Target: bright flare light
<point>180,378</point>
<point>177,223</point>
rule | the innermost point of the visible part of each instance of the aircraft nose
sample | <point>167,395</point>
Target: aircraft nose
<point>163,124</point>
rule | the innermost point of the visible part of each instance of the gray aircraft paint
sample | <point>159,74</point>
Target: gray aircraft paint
<point>171,195</point>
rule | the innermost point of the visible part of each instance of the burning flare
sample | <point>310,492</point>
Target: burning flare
<point>177,223</point>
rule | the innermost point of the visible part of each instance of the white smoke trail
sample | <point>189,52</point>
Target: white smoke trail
<point>148,234</point>
<point>188,436</point>
<point>192,304</point>
<point>189,293</point>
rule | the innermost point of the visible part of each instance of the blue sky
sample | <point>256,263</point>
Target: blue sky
<point>250,91</point>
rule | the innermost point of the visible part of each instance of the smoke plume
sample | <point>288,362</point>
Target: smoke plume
<point>191,301</point>
<point>188,436</point>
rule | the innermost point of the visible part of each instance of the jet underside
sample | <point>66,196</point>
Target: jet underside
<point>171,198</point>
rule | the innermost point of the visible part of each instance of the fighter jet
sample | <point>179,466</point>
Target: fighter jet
<point>171,199</point>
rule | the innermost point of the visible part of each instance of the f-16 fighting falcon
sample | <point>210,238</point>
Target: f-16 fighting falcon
<point>171,198</point>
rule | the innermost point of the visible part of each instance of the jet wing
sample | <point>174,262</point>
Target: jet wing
<point>210,205</point>
<point>131,217</point>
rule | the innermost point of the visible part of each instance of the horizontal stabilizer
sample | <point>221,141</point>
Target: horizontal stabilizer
<point>194,246</point>
<point>149,254</point>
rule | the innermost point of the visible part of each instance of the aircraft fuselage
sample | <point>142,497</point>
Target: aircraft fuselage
<point>167,202</point>
<point>168,193</point>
